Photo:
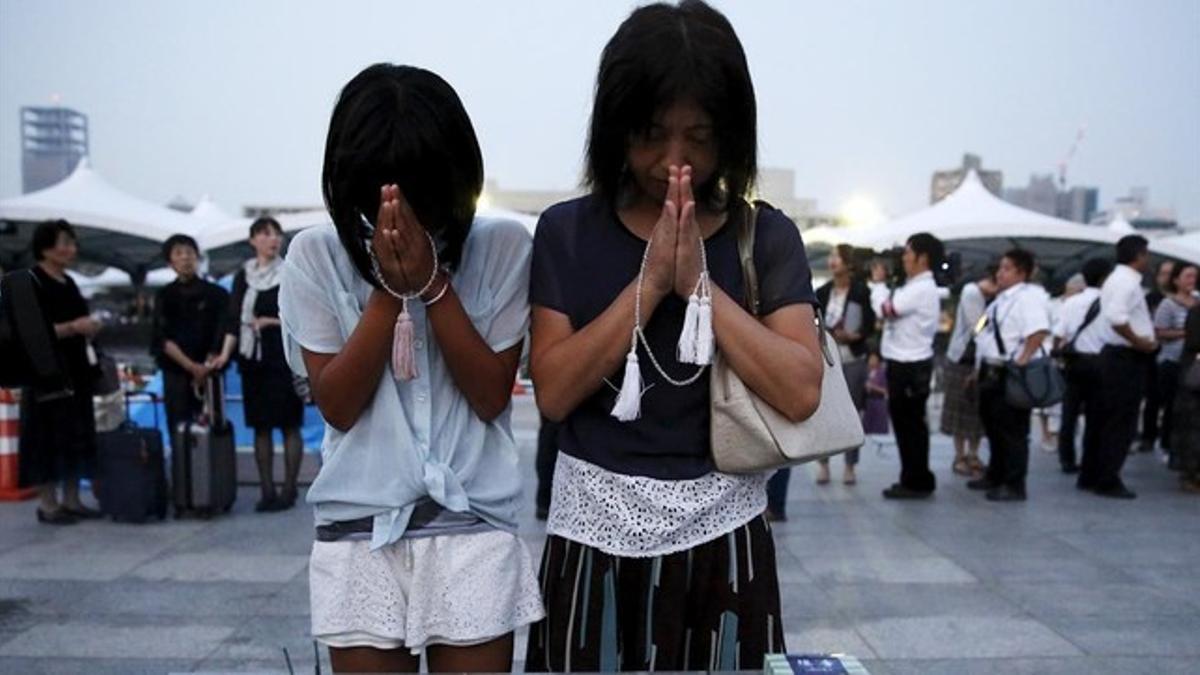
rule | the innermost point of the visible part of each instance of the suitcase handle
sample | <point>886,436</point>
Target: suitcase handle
<point>153,397</point>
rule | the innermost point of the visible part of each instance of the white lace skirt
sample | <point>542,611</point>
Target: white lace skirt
<point>454,590</point>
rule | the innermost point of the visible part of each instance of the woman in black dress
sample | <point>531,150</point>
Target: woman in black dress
<point>58,433</point>
<point>270,398</point>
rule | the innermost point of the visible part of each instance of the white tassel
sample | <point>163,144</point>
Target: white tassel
<point>686,353</point>
<point>704,337</point>
<point>629,401</point>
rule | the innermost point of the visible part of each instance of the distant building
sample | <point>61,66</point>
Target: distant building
<point>1077,204</point>
<point>945,182</point>
<point>1135,208</point>
<point>53,140</point>
<point>1041,195</point>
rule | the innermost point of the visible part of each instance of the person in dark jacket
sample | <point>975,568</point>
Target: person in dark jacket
<point>267,391</point>
<point>190,337</point>
<point>58,432</point>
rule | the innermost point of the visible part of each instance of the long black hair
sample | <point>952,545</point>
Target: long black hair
<point>403,125</point>
<point>662,54</point>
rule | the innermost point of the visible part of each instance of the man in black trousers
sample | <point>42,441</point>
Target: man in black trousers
<point>910,318</point>
<point>1128,351</point>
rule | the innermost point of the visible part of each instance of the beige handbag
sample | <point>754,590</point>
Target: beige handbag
<point>748,435</point>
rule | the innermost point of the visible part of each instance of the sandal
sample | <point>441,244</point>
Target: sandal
<point>823,474</point>
<point>962,467</point>
<point>976,465</point>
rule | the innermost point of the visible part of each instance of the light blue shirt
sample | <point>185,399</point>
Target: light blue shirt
<point>418,438</point>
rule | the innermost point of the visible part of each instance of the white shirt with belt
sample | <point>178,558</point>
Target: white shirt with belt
<point>908,335</point>
<point>1021,312</point>
<point>1122,301</point>
<point>1074,310</point>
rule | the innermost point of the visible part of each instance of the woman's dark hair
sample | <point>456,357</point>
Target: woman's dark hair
<point>1130,247</point>
<point>1095,271</point>
<point>264,223</point>
<point>1173,284</point>
<point>660,55</point>
<point>46,236</point>
<point>402,125</point>
<point>925,244</point>
<point>1021,259</point>
<point>178,240</point>
<point>849,259</point>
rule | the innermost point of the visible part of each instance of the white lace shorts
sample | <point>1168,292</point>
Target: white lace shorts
<point>449,590</point>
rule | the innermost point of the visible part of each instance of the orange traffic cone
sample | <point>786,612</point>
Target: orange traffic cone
<point>10,438</point>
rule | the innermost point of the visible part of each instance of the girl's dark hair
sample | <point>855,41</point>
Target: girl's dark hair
<point>1173,284</point>
<point>402,125</point>
<point>662,54</point>
<point>46,236</point>
<point>264,223</point>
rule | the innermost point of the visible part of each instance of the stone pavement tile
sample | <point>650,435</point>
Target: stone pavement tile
<point>263,639</point>
<point>79,639</point>
<point>175,599</point>
<point>62,666</point>
<point>947,637</point>
<point>931,570</point>
<point>806,601</point>
<point>1134,548</point>
<point>982,542</point>
<point>26,602</point>
<point>856,545</point>
<point>1077,599</point>
<point>252,667</point>
<point>1013,567</point>
<point>839,523</point>
<point>789,569</point>
<point>1120,636</point>
<point>51,561</point>
<point>291,599</point>
<point>831,636</point>
<point>222,566</point>
<point>1181,579</point>
<point>880,600</point>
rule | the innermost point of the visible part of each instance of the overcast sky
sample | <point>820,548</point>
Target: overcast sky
<point>232,99</point>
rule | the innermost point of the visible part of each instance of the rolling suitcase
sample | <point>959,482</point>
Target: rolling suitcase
<point>204,463</point>
<point>131,481</point>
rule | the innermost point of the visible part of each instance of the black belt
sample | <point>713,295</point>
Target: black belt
<point>342,529</point>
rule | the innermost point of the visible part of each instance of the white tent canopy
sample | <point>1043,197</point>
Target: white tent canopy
<point>114,227</point>
<point>86,199</point>
<point>970,212</point>
<point>1180,247</point>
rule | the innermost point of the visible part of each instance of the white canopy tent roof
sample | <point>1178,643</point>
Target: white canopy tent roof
<point>970,212</point>
<point>1180,247</point>
<point>115,228</point>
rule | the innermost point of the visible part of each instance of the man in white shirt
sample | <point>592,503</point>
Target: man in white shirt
<point>1079,337</point>
<point>1017,324</point>
<point>1129,346</point>
<point>910,318</point>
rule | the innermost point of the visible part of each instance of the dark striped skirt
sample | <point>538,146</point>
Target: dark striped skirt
<point>712,607</point>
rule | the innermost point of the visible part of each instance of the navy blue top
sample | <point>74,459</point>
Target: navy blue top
<point>583,257</point>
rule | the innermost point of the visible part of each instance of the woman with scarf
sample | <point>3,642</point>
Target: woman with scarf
<point>269,398</point>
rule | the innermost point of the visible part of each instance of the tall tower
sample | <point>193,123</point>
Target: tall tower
<point>53,140</point>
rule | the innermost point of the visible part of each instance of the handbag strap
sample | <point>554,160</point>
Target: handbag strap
<point>745,245</point>
<point>1092,313</point>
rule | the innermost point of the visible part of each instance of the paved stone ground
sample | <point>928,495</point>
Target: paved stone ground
<point>1064,583</point>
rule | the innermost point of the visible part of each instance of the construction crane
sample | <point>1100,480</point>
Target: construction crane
<point>1066,160</point>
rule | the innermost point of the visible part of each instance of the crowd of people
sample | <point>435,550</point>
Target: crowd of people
<point>409,314</point>
<point>198,330</point>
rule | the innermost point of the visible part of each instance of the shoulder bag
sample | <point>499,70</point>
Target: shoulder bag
<point>748,435</point>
